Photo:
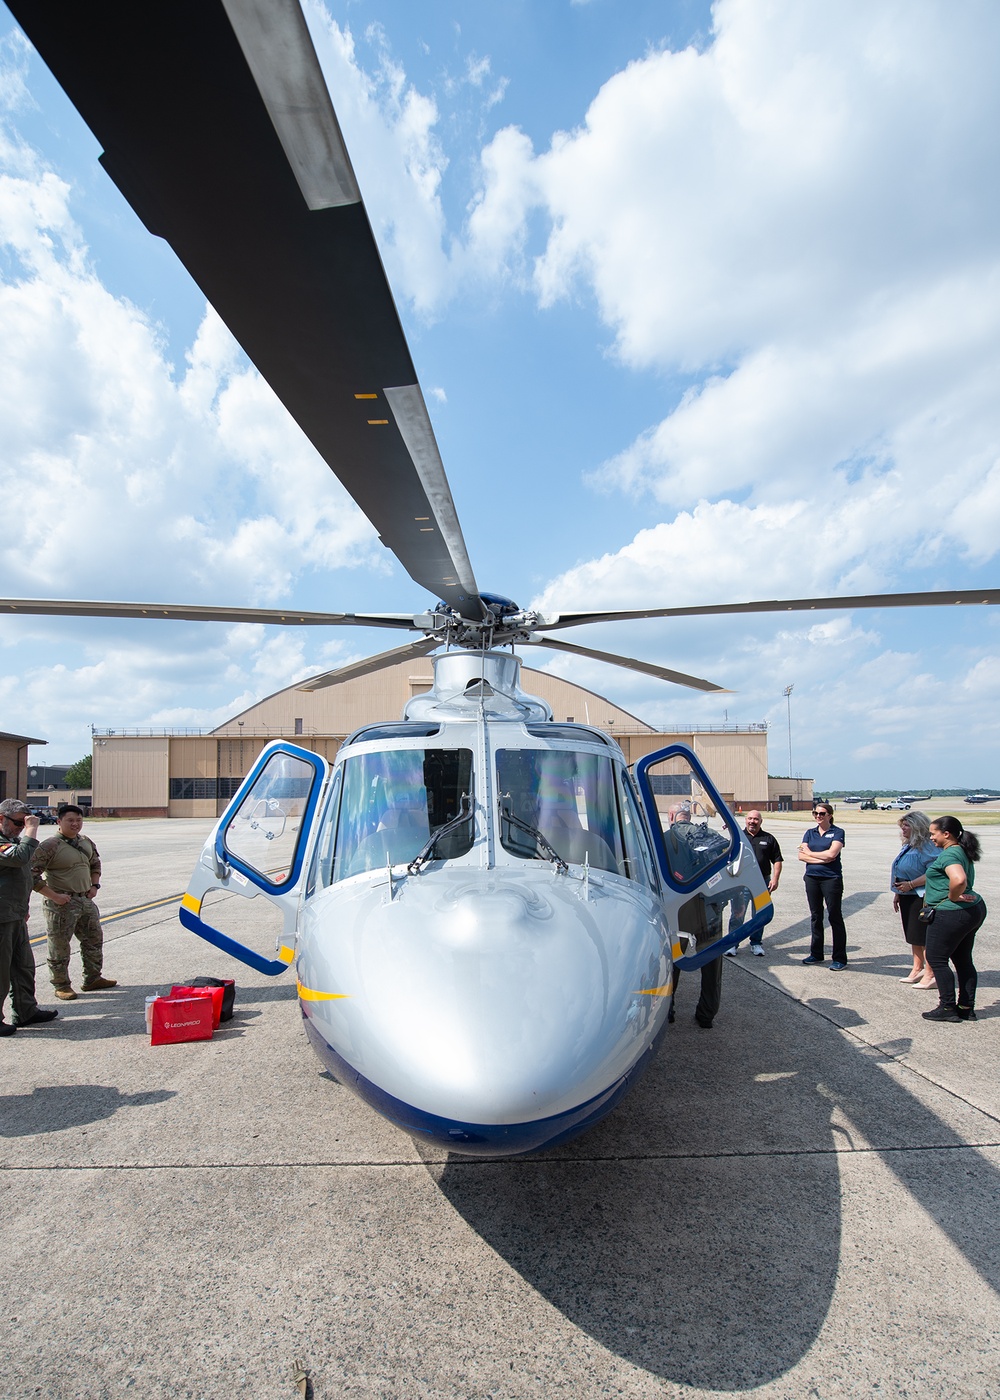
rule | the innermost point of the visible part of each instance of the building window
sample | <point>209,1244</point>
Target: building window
<point>191,789</point>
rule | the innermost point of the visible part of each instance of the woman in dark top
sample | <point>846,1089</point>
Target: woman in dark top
<point>958,914</point>
<point>824,881</point>
<point>906,881</point>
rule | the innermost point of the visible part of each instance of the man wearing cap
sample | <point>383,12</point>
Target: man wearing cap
<point>768,854</point>
<point>67,871</point>
<point>18,843</point>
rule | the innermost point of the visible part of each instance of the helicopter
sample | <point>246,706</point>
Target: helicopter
<point>485,910</point>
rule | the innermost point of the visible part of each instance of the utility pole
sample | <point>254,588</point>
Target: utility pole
<point>787,692</point>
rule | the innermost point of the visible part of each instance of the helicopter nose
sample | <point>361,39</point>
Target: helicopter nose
<point>502,1001</point>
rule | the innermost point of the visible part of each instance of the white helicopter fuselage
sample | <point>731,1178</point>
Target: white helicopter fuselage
<point>499,990</point>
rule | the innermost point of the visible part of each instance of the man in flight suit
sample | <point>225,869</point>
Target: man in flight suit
<point>18,843</point>
<point>67,871</point>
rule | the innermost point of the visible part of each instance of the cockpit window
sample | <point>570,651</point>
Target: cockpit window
<point>393,802</point>
<point>568,798</point>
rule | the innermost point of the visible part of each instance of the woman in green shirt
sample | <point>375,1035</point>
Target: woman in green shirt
<point>958,914</point>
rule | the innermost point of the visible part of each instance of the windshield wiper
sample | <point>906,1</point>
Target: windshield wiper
<point>426,854</point>
<point>545,849</point>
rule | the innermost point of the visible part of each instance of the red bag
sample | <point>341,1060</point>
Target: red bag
<point>216,994</point>
<point>176,1019</point>
<point>228,986</point>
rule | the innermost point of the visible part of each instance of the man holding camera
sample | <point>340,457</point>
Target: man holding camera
<point>18,843</point>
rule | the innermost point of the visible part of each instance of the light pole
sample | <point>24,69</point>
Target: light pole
<point>787,692</point>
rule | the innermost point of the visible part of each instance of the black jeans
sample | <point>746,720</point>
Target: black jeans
<point>831,892</point>
<point>951,936</point>
<point>710,997</point>
<point>711,992</point>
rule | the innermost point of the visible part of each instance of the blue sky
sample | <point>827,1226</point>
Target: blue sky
<point>706,305</point>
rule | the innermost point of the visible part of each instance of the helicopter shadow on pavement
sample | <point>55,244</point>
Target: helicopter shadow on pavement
<point>696,1232</point>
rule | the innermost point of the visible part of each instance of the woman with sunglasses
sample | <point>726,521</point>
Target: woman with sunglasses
<point>958,915</point>
<point>824,881</point>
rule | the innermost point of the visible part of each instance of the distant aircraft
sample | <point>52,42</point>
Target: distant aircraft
<point>980,797</point>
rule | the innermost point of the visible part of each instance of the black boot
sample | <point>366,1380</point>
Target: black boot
<point>966,1013</point>
<point>944,1011</point>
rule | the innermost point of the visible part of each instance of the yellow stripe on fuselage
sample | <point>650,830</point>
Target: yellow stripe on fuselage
<point>192,905</point>
<point>307,994</point>
<point>761,900</point>
<point>663,991</point>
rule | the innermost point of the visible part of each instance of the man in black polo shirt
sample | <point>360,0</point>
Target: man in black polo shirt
<point>768,854</point>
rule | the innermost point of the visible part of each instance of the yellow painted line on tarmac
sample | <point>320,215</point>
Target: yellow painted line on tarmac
<point>126,913</point>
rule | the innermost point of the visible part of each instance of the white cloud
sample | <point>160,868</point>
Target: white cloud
<point>389,127</point>
<point>799,218</point>
<point>176,490</point>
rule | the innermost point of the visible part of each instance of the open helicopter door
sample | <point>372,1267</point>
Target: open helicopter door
<point>720,896</point>
<point>258,847</point>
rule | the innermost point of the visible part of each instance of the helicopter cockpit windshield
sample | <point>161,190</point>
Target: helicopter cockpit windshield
<point>568,798</point>
<point>393,801</point>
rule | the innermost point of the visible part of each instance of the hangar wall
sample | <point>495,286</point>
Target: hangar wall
<point>14,764</point>
<point>340,709</point>
<point>195,775</point>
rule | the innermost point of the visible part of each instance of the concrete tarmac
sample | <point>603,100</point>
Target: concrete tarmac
<point>802,1201</point>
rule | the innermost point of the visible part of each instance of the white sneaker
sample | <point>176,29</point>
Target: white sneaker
<point>757,949</point>
<point>730,952</point>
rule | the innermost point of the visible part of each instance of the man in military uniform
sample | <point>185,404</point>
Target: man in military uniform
<point>67,871</point>
<point>18,843</point>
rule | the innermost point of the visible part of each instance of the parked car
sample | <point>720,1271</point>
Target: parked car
<point>45,815</point>
<point>898,805</point>
<point>869,805</point>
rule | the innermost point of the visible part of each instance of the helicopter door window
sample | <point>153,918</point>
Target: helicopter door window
<point>392,802</point>
<point>694,832</point>
<point>568,798</point>
<point>322,861</point>
<point>638,856</point>
<point>263,832</point>
<point>706,919</point>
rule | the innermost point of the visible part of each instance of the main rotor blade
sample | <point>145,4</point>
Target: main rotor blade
<point>370,664</point>
<point>630,664</point>
<point>191,612</point>
<point>867,600</point>
<point>218,129</point>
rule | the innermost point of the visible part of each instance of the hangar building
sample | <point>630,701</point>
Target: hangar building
<point>14,764</point>
<point>194,774</point>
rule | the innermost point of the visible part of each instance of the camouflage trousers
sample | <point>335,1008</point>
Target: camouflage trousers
<point>82,918</point>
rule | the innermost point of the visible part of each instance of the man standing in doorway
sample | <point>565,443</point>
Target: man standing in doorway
<point>691,848</point>
<point>67,871</point>
<point>768,854</point>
